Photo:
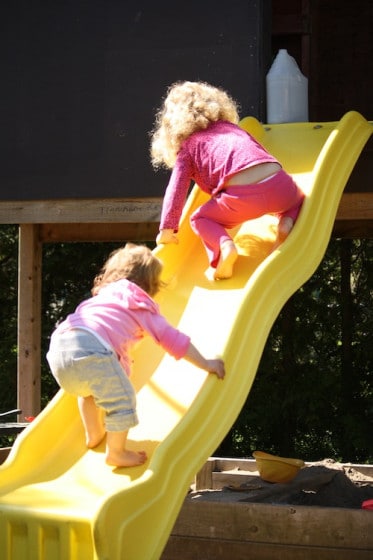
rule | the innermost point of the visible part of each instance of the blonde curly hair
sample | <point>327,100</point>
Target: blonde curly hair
<point>137,263</point>
<point>187,107</point>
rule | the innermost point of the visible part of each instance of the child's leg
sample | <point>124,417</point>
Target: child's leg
<point>285,225</point>
<point>93,421</point>
<point>116,453</point>
<point>228,209</point>
<point>116,395</point>
<point>227,258</point>
<point>287,220</point>
<point>211,233</point>
<point>209,222</point>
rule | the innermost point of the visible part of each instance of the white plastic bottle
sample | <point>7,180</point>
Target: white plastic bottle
<point>287,91</point>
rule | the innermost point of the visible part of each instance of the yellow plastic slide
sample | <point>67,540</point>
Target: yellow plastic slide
<point>59,500</point>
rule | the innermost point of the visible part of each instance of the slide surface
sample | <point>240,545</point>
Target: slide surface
<point>59,500</point>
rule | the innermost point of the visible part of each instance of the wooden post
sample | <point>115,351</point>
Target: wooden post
<point>203,479</point>
<point>29,317</point>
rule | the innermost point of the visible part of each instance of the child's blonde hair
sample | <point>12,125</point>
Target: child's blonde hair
<point>187,107</point>
<point>134,262</point>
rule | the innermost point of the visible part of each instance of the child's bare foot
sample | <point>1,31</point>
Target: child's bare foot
<point>93,439</point>
<point>285,226</point>
<point>228,256</point>
<point>126,458</point>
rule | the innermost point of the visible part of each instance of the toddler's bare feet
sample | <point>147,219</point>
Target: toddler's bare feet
<point>228,256</point>
<point>285,226</point>
<point>126,458</point>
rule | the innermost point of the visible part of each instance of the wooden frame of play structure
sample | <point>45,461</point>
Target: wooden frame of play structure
<point>108,220</point>
<point>97,220</point>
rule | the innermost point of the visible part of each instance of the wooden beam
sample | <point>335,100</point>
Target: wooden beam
<point>356,206</point>
<point>353,229</point>
<point>56,233</point>
<point>127,213</point>
<point>82,210</point>
<point>29,316</point>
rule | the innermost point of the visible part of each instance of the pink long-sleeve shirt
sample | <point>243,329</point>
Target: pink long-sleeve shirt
<point>121,314</point>
<point>209,158</point>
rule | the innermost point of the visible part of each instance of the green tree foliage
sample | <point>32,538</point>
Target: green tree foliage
<point>8,316</point>
<point>312,395</point>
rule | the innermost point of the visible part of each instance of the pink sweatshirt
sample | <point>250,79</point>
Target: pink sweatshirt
<point>209,158</point>
<point>122,314</point>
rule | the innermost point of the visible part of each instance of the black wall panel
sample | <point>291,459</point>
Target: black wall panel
<point>81,81</point>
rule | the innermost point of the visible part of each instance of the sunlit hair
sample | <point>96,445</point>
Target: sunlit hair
<point>187,107</point>
<point>134,262</point>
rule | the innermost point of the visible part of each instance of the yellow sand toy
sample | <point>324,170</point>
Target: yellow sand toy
<point>59,500</point>
<point>273,468</point>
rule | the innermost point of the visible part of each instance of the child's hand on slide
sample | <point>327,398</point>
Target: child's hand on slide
<point>217,367</point>
<point>166,236</point>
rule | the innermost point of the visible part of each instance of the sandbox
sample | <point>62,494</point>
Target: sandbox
<point>231,513</point>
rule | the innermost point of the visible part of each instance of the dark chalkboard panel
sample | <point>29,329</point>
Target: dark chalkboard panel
<point>82,80</point>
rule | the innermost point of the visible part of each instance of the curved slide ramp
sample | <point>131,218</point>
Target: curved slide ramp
<point>59,500</point>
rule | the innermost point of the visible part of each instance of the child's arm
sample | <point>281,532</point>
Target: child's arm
<point>212,366</point>
<point>166,236</point>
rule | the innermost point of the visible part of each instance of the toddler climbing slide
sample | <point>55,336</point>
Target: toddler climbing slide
<point>59,500</point>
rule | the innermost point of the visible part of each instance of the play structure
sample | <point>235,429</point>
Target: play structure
<point>59,500</point>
